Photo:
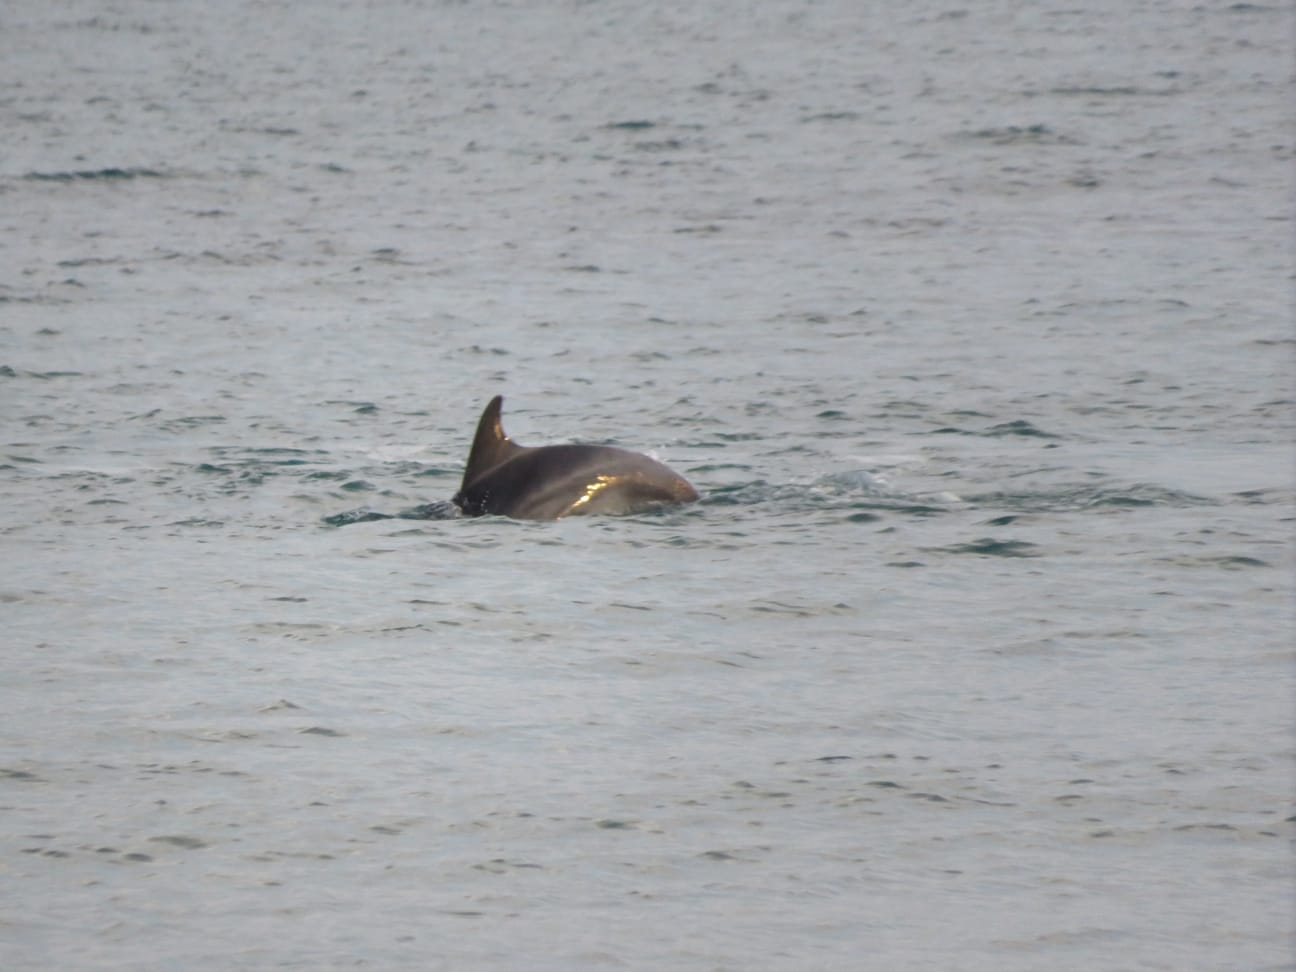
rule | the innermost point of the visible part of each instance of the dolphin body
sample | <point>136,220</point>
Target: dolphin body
<point>550,482</point>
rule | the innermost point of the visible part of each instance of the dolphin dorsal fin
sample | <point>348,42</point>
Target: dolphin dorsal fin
<point>490,445</point>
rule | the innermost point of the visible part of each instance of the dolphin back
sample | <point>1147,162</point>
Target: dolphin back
<point>550,482</point>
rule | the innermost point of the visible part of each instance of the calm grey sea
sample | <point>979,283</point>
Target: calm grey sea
<point>971,323</point>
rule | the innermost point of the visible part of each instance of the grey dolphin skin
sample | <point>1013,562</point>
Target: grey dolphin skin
<point>550,482</point>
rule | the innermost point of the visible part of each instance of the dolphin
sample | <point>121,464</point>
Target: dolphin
<point>550,482</point>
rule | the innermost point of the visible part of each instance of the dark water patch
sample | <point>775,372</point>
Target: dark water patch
<point>187,422</point>
<point>1018,427</point>
<point>777,607</point>
<point>749,494</point>
<point>180,840</point>
<point>356,516</point>
<point>89,262</point>
<point>44,299</point>
<point>1123,90</point>
<point>905,408</point>
<point>1038,134</point>
<point>854,494</point>
<point>1263,496</point>
<point>1236,562</point>
<point>407,469</point>
<point>736,494</point>
<point>238,470</point>
<point>260,453</point>
<point>438,510</point>
<point>87,479</point>
<point>832,116</point>
<point>281,704</point>
<point>1015,427</point>
<point>990,547</point>
<point>1121,499</point>
<point>500,865</point>
<point>660,145</point>
<point>107,175</point>
<point>362,408</point>
<point>22,776</point>
<point>434,471</point>
<point>253,466</point>
<point>1145,495</point>
<point>1073,498</point>
<point>708,467</point>
<point>8,372</point>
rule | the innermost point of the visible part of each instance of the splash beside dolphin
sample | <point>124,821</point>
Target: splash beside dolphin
<point>550,482</point>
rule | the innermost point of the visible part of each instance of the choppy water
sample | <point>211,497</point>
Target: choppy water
<point>971,324</point>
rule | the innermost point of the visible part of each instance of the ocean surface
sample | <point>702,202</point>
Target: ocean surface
<point>971,323</point>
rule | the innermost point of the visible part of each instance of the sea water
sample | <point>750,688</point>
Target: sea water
<point>970,323</point>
